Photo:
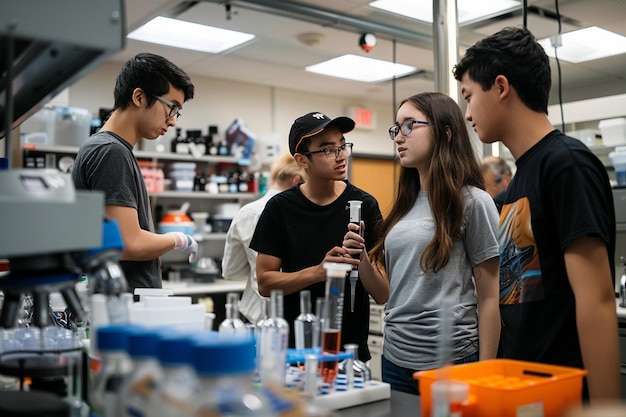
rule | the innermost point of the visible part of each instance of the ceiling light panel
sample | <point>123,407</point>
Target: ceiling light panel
<point>586,45</point>
<point>187,35</point>
<point>360,68</point>
<point>467,10</point>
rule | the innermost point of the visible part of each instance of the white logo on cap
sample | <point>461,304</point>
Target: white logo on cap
<point>319,116</point>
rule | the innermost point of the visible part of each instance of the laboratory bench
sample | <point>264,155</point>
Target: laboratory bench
<point>398,404</point>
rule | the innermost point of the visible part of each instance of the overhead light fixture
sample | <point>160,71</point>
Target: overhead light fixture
<point>586,45</point>
<point>188,35</point>
<point>360,68</point>
<point>468,10</point>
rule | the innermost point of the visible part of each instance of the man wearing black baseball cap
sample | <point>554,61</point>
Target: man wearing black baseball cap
<point>302,228</point>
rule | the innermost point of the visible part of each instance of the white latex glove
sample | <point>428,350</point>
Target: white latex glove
<point>185,243</point>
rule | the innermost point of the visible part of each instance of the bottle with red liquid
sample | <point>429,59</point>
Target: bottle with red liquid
<point>333,314</point>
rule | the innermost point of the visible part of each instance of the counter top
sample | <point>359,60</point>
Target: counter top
<point>217,286</point>
<point>398,404</point>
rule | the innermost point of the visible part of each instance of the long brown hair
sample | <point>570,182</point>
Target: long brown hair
<point>453,165</point>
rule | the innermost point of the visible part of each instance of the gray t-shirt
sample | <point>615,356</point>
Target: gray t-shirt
<point>413,312</point>
<point>106,163</point>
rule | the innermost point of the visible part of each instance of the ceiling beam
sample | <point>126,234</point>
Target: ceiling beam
<point>331,18</point>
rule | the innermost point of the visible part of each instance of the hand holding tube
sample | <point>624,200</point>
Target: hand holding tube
<point>185,243</point>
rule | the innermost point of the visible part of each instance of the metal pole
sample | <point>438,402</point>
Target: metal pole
<point>445,46</point>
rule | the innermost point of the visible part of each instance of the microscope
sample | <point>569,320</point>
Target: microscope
<point>51,234</point>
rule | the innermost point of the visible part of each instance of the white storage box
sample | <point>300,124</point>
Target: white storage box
<point>587,136</point>
<point>619,163</point>
<point>613,131</point>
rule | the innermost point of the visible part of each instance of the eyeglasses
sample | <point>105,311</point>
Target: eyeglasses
<point>333,151</point>
<point>405,127</point>
<point>174,108</point>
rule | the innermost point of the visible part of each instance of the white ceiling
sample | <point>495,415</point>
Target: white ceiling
<point>276,57</point>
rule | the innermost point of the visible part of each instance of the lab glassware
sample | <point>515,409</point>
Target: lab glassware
<point>306,325</point>
<point>355,217</point>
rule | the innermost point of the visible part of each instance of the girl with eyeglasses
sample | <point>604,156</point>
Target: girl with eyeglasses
<point>438,247</point>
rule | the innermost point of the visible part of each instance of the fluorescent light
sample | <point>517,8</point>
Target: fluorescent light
<point>467,9</point>
<point>586,45</point>
<point>187,35</point>
<point>360,68</point>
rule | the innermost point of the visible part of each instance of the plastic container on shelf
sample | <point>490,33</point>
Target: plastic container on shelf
<point>618,157</point>
<point>587,136</point>
<point>176,221</point>
<point>510,388</point>
<point>182,180</point>
<point>71,127</point>
<point>613,131</point>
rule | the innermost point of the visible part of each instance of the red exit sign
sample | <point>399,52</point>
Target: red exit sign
<point>363,117</point>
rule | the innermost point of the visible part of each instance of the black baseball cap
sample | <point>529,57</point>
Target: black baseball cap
<point>313,123</point>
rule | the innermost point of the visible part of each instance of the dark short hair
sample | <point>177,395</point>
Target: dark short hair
<point>515,53</point>
<point>153,74</point>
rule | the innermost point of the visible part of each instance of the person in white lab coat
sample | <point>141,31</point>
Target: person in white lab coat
<point>239,261</point>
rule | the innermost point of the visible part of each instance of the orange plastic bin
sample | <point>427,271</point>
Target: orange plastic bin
<point>511,388</point>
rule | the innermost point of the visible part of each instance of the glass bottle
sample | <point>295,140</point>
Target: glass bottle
<point>273,344</point>
<point>179,382</point>
<point>226,381</point>
<point>115,367</point>
<point>146,373</point>
<point>232,324</point>
<point>176,140</point>
<point>306,325</point>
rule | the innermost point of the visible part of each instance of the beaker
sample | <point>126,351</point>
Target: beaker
<point>333,316</point>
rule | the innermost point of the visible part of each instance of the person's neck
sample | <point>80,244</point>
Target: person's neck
<point>322,192</point>
<point>526,131</point>
<point>122,124</point>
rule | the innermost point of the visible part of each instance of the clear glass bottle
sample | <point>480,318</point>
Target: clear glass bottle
<point>226,380</point>
<point>306,325</point>
<point>273,344</point>
<point>141,383</point>
<point>115,367</point>
<point>179,382</point>
<point>232,324</point>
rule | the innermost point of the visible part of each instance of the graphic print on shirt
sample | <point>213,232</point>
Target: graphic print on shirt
<point>520,271</point>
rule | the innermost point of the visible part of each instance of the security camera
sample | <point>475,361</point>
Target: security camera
<point>367,41</point>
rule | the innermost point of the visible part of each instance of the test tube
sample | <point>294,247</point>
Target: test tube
<point>333,315</point>
<point>355,217</point>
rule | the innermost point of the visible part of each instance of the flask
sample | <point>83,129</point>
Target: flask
<point>306,325</point>
<point>226,380</point>
<point>140,384</point>
<point>333,316</point>
<point>179,382</point>
<point>115,366</point>
<point>355,217</point>
<point>273,344</point>
<point>232,324</point>
<point>355,370</point>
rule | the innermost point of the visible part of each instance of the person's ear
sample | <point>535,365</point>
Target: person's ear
<point>449,132</point>
<point>502,84</point>
<point>138,97</point>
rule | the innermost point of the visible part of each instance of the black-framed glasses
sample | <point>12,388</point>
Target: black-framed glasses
<point>174,108</point>
<point>405,127</point>
<point>332,152</point>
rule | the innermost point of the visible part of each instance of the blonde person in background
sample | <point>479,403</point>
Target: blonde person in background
<point>497,176</point>
<point>239,262</point>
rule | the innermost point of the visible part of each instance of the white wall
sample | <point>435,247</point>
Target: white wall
<point>267,112</point>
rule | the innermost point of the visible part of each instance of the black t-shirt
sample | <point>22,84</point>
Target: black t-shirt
<point>300,232</point>
<point>106,163</point>
<point>559,193</point>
